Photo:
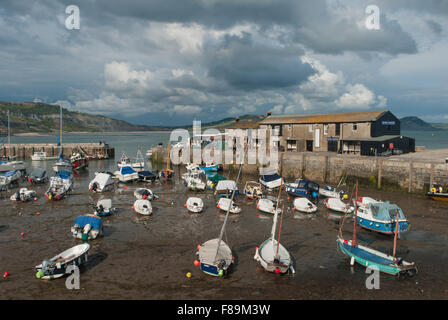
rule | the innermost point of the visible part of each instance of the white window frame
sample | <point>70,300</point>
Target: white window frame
<point>325,129</point>
<point>310,128</point>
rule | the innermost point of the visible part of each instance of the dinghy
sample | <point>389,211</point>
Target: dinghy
<point>330,192</point>
<point>226,188</point>
<point>215,256</point>
<point>142,193</point>
<point>267,206</point>
<point>62,164</point>
<point>42,156</point>
<point>338,205</point>
<point>126,174</point>
<point>271,254</point>
<point>270,179</point>
<point>56,267</point>
<point>210,167</point>
<point>225,204</point>
<point>253,190</point>
<point>142,206</point>
<point>103,181</point>
<point>148,175</point>
<point>195,184</point>
<point>304,205</point>
<point>87,227</point>
<point>369,257</point>
<point>103,208</point>
<point>194,204</point>
<point>24,195</point>
<point>303,188</point>
<point>38,175</point>
<point>60,184</point>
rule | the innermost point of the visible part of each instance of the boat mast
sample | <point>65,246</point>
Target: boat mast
<point>356,216</point>
<point>9,137</point>
<point>60,130</point>
<point>279,231</point>
<point>227,213</point>
<point>274,224</point>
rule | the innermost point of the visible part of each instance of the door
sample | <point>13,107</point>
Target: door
<point>309,145</point>
<point>333,146</point>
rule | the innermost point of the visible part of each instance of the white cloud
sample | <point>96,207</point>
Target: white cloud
<point>357,97</point>
<point>186,109</point>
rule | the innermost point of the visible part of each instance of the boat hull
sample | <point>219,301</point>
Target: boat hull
<point>382,227</point>
<point>264,255</point>
<point>438,196</point>
<point>206,256</point>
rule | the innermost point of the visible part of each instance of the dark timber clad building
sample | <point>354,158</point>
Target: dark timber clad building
<point>365,133</point>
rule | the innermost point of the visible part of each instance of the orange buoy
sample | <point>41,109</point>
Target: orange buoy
<point>277,270</point>
<point>133,207</point>
<point>198,247</point>
<point>294,208</point>
<point>125,187</point>
<point>196,263</point>
<point>37,213</point>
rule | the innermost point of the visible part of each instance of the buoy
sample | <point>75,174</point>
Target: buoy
<point>196,263</point>
<point>39,274</point>
<point>185,204</point>
<point>198,247</point>
<point>22,234</point>
<point>294,208</point>
<point>345,196</point>
<point>125,187</point>
<point>29,180</point>
<point>161,196</point>
<point>6,274</point>
<point>277,270</point>
<point>35,199</point>
<point>188,275</point>
<point>221,273</point>
<point>37,213</point>
<point>144,197</point>
<point>217,206</point>
<point>352,261</point>
<point>258,207</point>
<point>289,198</point>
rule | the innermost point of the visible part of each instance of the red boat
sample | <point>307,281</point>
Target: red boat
<point>78,161</point>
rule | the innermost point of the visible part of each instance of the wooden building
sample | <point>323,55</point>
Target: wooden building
<point>366,133</point>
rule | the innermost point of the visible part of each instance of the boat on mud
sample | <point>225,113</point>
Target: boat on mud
<point>194,205</point>
<point>87,227</point>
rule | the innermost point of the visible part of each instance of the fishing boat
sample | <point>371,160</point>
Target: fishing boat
<point>436,193</point>
<point>104,208</point>
<point>126,174</point>
<point>253,190</point>
<point>87,227</point>
<point>225,204</point>
<point>194,204</point>
<point>267,206</point>
<point>270,179</point>
<point>124,161</point>
<point>42,156</point>
<point>380,217</point>
<point>6,162</point>
<point>167,173</point>
<point>24,195</point>
<point>79,161</point>
<point>304,205</point>
<point>271,254</point>
<point>215,256</point>
<point>226,188</point>
<point>60,184</point>
<point>303,188</point>
<point>338,205</point>
<point>148,175</point>
<point>10,177</point>
<point>56,267</point>
<point>103,181</point>
<point>38,175</point>
<point>142,193</point>
<point>142,206</point>
<point>369,257</point>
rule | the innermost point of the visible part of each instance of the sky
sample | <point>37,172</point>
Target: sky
<point>169,62</point>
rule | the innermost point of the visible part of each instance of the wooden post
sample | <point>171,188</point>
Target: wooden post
<point>380,172</point>
<point>325,169</point>
<point>302,170</point>
<point>411,166</point>
<point>431,176</point>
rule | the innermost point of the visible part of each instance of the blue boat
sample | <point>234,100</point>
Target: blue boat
<point>87,227</point>
<point>303,188</point>
<point>210,168</point>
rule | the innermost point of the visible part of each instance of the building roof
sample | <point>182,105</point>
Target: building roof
<point>365,116</point>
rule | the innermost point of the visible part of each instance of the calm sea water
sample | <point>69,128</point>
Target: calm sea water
<point>429,139</point>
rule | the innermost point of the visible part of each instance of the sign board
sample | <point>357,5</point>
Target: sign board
<point>388,123</point>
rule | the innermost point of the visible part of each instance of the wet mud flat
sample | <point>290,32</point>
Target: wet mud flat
<point>148,257</point>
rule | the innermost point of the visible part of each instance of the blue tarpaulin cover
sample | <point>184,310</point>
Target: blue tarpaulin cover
<point>93,221</point>
<point>270,177</point>
<point>127,170</point>
<point>9,173</point>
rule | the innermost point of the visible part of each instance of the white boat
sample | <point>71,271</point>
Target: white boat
<point>338,205</point>
<point>304,205</point>
<point>364,201</point>
<point>6,164</point>
<point>56,267</point>
<point>330,192</point>
<point>24,195</point>
<point>253,190</point>
<point>103,181</point>
<point>270,179</point>
<point>60,184</point>
<point>149,154</point>
<point>41,156</point>
<point>194,204</point>
<point>224,204</point>
<point>87,227</point>
<point>124,161</point>
<point>126,174</point>
<point>104,208</point>
<point>142,193</point>
<point>225,188</point>
<point>62,164</point>
<point>139,163</point>
<point>142,206</point>
<point>195,183</point>
<point>268,206</point>
<point>10,177</point>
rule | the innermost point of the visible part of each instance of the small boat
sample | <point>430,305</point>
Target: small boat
<point>104,208</point>
<point>270,179</point>
<point>124,161</point>
<point>268,206</point>
<point>24,195</point>
<point>330,192</point>
<point>436,193</point>
<point>148,175</point>
<point>303,188</point>
<point>213,179</point>
<point>380,217</point>
<point>56,267</point>
<point>126,174</point>
<point>139,163</point>
<point>79,161</point>
<point>103,181</point>
<point>195,183</point>
<point>226,188</point>
<point>41,156</point>
<point>10,177</point>
<point>304,205</point>
<point>87,227</point>
<point>142,206</point>
<point>369,257</point>
<point>194,204</point>
<point>338,205</point>
<point>142,193</point>
<point>38,175</point>
<point>210,167</point>
<point>224,204</point>
<point>253,190</point>
<point>62,164</point>
<point>60,184</point>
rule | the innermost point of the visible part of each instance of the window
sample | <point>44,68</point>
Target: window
<point>355,126</point>
<point>325,129</point>
<point>289,127</point>
<point>338,129</point>
<point>310,128</point>
<point>291,144</point>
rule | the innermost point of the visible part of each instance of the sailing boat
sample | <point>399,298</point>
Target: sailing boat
<point>61,163</point>
<point>272,256</point>
<point>370,257</point>
<point>215,256</point>
<point>5,162</point>
<point>167,173</point>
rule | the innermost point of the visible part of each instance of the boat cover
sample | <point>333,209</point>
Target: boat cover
<point>95,222</point>
<point>63,174</point>
<point>226,185</point>
<point>385,211</point>
<point>127,170</point>
<point>9,173</point>
<point>270,177</point>
<point>207,253</point>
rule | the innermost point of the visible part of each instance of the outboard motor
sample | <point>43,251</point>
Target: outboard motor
<point>47,266</point>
